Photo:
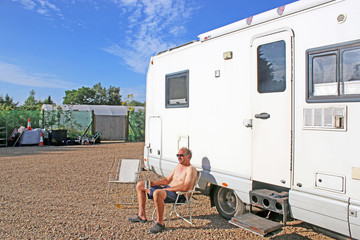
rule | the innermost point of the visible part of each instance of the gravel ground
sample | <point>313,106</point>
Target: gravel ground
<point>59,192</point>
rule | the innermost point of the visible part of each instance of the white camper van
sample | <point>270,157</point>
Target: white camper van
<point>270,107</point>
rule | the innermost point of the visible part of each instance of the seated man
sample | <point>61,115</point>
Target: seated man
<point>182,178</point>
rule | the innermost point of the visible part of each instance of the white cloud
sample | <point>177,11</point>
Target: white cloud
<point>14,74</point>
<point>42,12</point>
<point>153,26</point>
<point>43,7</point>
<point>150,26</point>
<point>27,4</point>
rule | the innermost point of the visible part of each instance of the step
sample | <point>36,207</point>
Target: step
<point>271,200</point>
<point>255,224</point>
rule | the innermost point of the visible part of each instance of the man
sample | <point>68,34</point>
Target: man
<point>182,178</point>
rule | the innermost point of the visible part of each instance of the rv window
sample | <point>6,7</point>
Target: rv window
<point>334,73</point>
<point>351,71</point>
<point>177,89</point>
<point>324,75</point>
<point>271,67</point>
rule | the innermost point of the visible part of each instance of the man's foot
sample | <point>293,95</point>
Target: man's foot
<point>157,228</point>
<point>137,219</point>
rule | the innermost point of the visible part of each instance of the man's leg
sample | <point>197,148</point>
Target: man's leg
<point>159,197</point>
<point>141,194</point>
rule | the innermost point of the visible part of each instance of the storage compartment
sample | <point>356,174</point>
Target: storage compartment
<point>330,182</point>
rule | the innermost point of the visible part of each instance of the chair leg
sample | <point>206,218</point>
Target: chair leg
<point>172,210</point>
<point>108,192</point>
<point>189,208</point>
<point>134,190</point>
<point>183,218</point>
<point>153,215</point>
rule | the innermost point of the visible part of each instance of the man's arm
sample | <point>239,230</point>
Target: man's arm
<point>163,181</point>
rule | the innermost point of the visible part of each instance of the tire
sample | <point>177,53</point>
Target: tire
<point>228,203</point>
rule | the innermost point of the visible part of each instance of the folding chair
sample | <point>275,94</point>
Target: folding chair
<point>189,196</point>
<point>127,172</point>
<point>93,138</point>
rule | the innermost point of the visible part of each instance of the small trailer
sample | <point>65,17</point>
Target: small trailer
<point>270,107</point>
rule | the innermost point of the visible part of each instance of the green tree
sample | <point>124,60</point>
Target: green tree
<point>100,95</point>
<point>135,103</point>
<point>97,95</point>
<point>31,103</point>
<point>131,102</point>
<point>7,103</point>
<point>83,95</point>
<point>48,100</point>
<point>113,96</point>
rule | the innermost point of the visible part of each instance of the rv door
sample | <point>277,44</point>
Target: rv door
<point>271,108</point>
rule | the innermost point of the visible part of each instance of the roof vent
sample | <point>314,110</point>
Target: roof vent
<point>341,18</point>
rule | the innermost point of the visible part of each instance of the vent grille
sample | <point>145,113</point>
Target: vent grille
<point>326,118</point>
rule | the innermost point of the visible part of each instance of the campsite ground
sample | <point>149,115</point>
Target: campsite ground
<point>59,192</point>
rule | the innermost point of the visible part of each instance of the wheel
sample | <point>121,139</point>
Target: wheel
<point>228,203</point>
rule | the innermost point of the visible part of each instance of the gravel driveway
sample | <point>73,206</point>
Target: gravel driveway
<point>59,192</point>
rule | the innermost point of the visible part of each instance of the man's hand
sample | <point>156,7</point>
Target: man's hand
<point>163,181</point>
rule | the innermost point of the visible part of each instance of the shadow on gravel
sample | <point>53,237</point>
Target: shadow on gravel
<point>291,236</point>
<point>213,221</point>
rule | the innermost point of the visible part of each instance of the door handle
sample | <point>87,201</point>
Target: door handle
<point>262,115</point>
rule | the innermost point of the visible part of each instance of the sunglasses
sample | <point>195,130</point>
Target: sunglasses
<point>180,155</point>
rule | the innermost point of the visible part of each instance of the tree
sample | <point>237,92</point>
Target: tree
<point>7,103</point>
<point>100,95</point>
<point>31,103</point>
<point>114,97</point>
<point>97,95</point>
<point>135,103</point>
<point>48,100</point>
<point>83,95</point>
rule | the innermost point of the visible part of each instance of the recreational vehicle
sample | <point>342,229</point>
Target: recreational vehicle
<point>270,107</point>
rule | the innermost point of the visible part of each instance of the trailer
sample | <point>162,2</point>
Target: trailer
<point>270,107</point>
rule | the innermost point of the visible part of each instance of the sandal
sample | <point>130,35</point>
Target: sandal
<point>157,228</point>
<point>137,219</point>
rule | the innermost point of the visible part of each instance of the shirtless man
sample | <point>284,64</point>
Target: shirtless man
<point>182,178</point>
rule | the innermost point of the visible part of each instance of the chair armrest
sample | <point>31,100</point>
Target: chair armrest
<point>190,191</point>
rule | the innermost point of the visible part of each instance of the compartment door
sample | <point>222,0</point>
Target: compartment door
<point>271,108</point>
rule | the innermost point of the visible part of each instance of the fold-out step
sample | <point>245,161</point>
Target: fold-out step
<point>255,223</point>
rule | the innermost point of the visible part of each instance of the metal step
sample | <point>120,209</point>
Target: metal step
<point>255,224</point>
<point>270,200</point>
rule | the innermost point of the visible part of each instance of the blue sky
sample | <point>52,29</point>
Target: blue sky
<point>52,46</point>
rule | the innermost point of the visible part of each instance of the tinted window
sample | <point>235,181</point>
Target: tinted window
<point>351,71</point>
<point>271,67</point>
<point>177,89</point>
<point>324,75</point>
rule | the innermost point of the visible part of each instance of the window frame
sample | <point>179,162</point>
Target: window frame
<point>338,50</point>
<point>167,96</point>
